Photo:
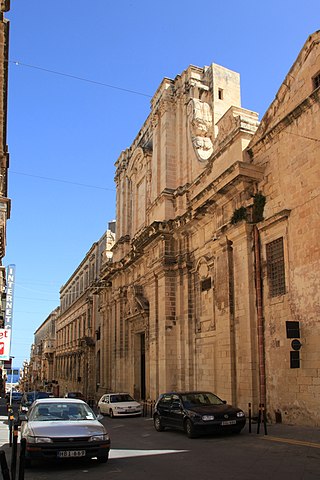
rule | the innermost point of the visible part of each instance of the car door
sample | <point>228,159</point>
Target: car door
<point>163,408</point>
<point>102,404</point>
<point>106,404</point>
<point>176,412</point>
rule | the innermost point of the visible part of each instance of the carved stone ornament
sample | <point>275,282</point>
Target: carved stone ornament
<point>200,121</point>
<point>136,301</point>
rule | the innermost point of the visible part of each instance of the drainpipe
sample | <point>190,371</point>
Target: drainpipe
<point>259,305</point>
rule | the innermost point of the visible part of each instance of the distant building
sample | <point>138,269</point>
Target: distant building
<point>214,283</point>
<point>41,368</point>
<point>77,357</point>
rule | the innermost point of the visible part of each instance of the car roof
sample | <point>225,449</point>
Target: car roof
<point>187,392</point>
<point>58,400</point>
<point>118,393</point>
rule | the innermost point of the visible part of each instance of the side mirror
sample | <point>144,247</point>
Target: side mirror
<point>224,401</point>
<point>23,417</point>
<point>99,416</point>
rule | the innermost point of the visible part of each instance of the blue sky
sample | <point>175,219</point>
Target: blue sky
<point>67,129</point>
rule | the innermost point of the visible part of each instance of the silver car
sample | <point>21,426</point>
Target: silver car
<point>60,428</point>
<point>119,404</point>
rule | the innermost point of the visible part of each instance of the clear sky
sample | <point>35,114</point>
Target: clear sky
<point>81,76</point>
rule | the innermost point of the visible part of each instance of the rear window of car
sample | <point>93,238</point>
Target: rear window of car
<point>35,395</point>
<point>74,395</point>
<point>165,400</point>
<point>124,397</point>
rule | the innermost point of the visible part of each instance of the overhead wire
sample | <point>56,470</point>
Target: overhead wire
<point>62,181</point>
<point>75,77</point>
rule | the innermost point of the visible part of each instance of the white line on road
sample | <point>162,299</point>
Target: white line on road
<point>140,453</point>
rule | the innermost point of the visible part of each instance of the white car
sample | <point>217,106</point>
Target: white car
<point>119,404</point>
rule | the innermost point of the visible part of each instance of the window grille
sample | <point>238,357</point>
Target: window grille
<point>275,268</point>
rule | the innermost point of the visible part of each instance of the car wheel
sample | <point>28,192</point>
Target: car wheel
<point>111,413</point>
<point>189,428</point>
<point>103,459</point>
<point>157,424</point>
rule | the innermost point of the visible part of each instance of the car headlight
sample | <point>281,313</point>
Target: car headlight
<point>240,414</point>
<point>207,418</point>
<point>38,439</point>
<point>98,438</point>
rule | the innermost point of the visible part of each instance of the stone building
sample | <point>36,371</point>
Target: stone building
<point>77,328</point>
<point>4,154</point>
<point>41,366</point>
<point>215,268</point>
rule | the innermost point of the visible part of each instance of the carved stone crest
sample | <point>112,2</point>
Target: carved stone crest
<point>200,117</point>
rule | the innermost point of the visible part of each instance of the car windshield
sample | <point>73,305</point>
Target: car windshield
<point>61,411</point>
<point>121,397</point>
<point>200,398</point>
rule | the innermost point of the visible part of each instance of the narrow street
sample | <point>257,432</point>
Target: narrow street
<point>138,451</point>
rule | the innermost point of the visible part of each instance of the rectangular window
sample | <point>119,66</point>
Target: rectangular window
<point>275,268</point>
<point>220,93</point>
<point>292,329</point>
<point>316,81</point>
<point>294,359</point>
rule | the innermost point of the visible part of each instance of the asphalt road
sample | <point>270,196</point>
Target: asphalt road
<point>139,452</point>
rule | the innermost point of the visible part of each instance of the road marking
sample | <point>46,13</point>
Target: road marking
<point>292,441</point>
<point>118,453</point>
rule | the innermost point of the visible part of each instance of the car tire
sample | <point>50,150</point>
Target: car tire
<point>103,459</point>
<point>189,428</point>
<point>111,413</point>
<point>158,424</point>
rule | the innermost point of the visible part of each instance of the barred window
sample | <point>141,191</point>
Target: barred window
<point>275,268</point>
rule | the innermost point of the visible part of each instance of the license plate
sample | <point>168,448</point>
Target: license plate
<point>71,453</point>
<point>229,422</point>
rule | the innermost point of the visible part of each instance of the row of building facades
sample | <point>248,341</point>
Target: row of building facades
<point>5,203</point>
<point>208,279</point>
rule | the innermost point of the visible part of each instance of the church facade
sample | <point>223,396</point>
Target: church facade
<point>214,283</point>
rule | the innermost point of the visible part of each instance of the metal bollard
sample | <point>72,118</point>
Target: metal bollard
<point>14,452</point>
<point>22,457</point>
<point>259,419</point>
<point>4,466</point>
<point>264,420</point>
<point>249,412</point>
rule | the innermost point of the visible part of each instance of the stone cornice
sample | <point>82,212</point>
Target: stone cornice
<point>269,135</point>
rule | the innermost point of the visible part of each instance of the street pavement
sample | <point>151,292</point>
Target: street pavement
<point>276,434</point>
